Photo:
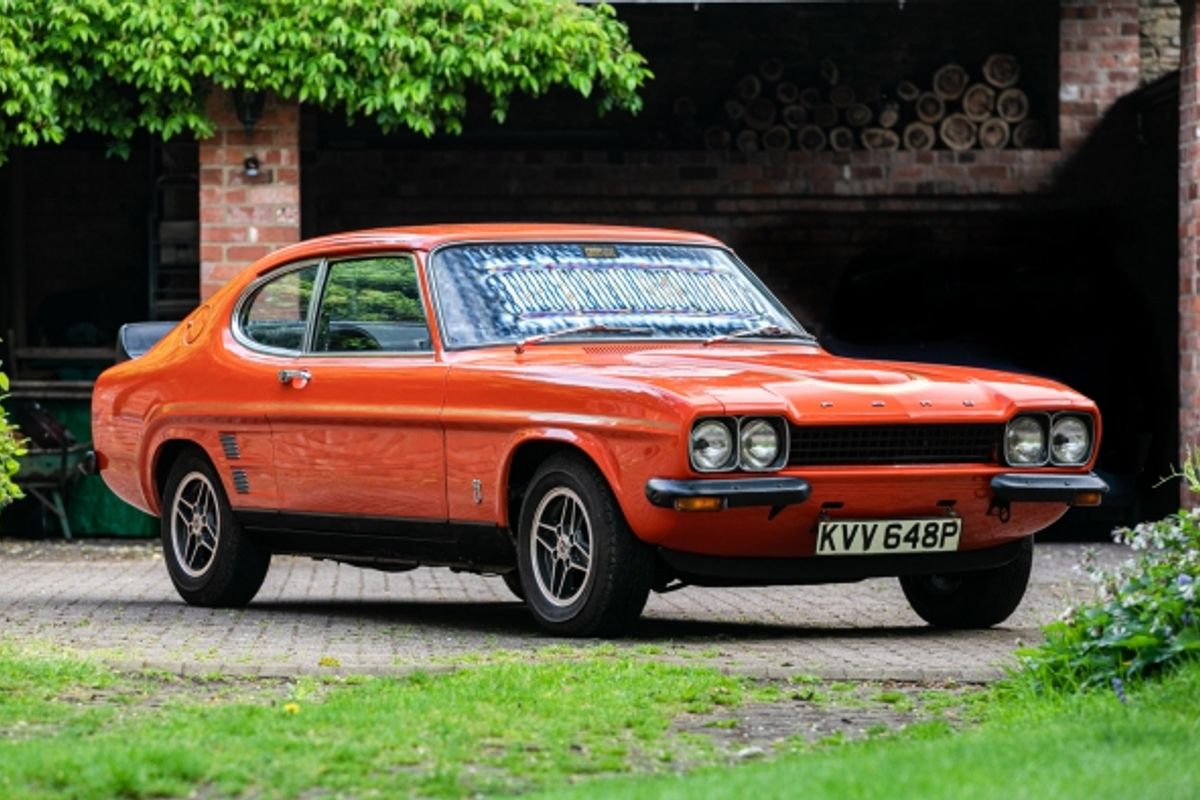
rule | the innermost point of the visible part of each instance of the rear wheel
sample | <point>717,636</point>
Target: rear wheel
<point>210,559</point>
<point>971,599</point>
<point>583,572</point>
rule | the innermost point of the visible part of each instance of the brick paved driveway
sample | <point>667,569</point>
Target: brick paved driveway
<point>116,602</point>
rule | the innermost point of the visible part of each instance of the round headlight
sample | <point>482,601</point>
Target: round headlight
<point>759,445</point>
<point>1025,442</point>
<point>712,446</point>
<point>1070,440</point>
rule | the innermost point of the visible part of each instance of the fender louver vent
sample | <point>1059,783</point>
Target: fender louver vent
<point>241,482</point>
<point>229,444</point>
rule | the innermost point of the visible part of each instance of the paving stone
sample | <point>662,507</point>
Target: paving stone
<point>115,602</point>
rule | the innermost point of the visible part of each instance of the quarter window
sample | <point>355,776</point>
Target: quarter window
<point>277,314</point>
<point>372,305</point>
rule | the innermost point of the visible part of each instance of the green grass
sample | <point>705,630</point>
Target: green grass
<point>588,721</point>
<point>70,729</point>
<point>1083,746</point>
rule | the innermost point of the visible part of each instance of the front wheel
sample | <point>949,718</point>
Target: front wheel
<point>583,572</point>
<point>971,599</point>
<point>211,560</point>
<point>513,581</point>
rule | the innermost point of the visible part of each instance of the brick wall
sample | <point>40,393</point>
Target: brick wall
<point>1160,45</point>
<point>1099,60</point>
<point>1189,228</point>
<point>243,218</point>
<point>798,218</point>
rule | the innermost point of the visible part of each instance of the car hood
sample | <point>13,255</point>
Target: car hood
<point>801,381</point>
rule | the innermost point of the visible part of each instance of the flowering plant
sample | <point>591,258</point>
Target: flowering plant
<point>1145,616</point>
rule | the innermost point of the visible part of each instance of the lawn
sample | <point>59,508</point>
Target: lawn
<point>591,721</point>
<point>1083,746</point>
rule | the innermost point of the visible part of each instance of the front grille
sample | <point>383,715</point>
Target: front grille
<point>894,444</point>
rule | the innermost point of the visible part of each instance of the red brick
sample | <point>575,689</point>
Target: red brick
<point>988,171</point>
<point>222,234</point>
<point>247,252</point>
<point>278,234</point>
<point>212,215</point>
<point>274,194</point>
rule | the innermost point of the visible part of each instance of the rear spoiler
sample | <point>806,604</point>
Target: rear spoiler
<point>135,338</point>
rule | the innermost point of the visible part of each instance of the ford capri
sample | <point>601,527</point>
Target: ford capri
<point>593,413</point>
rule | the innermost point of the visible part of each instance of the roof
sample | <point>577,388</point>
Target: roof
<point>427,237</point>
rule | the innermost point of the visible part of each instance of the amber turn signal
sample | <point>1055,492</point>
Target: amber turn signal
<point>699,503</point>
<point>1087,499</point>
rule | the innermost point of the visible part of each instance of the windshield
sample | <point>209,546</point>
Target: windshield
<point>498,293</point>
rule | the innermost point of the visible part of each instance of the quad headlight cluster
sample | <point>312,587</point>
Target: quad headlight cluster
<point>1034,440</point>
<point>753,444</point>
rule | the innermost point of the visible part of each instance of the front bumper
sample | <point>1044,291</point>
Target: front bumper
<point>1073,489</point>
<point>779,492</point>
<point>738,493</point>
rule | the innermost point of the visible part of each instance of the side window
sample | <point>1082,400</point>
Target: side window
<point>277,314</point>
<point>372,305</point>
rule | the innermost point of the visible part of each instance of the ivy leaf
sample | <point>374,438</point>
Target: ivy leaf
<point>117,67</point>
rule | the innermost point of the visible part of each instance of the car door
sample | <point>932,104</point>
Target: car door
<point>357,433</point>
<point>269,330</point>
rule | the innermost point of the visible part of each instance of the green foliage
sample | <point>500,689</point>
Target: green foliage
<point>10,449</point>
<point>373,290</point>
<point>114,67</point>
<point>1145,618</point>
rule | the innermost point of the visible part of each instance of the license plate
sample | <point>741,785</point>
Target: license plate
<point>857,537</point>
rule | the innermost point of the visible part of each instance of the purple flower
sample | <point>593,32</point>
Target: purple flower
<point>1119,687</point>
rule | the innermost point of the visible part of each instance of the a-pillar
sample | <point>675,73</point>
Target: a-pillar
<point>243,217</point>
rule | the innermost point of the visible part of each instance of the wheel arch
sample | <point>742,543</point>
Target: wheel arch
<point>532,451</point>
<point>168,452</point>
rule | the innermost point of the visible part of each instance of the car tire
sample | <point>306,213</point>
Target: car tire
<point>513,581</point>
<point>966,600</point>
<point>211,560</point>
<point>586,574</point>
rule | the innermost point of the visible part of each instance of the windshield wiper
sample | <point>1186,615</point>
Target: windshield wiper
<point>597,328</point>
<point>764,331</point>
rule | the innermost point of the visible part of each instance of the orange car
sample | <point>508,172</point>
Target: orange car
<point>592,412</point>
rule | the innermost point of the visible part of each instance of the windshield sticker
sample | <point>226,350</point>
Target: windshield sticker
<point>630,289</point>
<point>504,292</point>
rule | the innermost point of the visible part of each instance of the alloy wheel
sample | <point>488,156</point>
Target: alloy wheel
<point>195,524</point>
<point>561,547</point>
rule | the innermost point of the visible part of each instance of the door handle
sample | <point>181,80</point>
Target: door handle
<point>297,378</point>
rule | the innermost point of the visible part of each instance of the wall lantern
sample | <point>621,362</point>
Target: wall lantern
<point>248,105</point>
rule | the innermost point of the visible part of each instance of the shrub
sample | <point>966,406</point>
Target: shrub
<point>10,449</point>
<point>1145,617</point>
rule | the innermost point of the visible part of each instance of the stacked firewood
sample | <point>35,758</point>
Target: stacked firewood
<point>768,112</point>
